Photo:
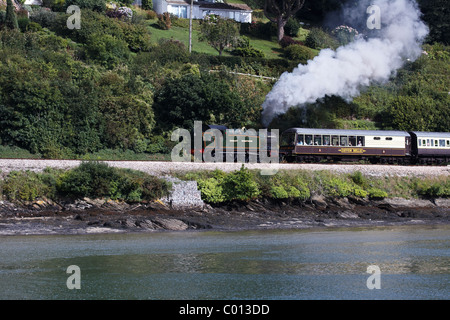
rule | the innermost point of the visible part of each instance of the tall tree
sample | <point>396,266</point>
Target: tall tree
<point>219,32</point>
<point>11,19</point>
<point>279,11</point>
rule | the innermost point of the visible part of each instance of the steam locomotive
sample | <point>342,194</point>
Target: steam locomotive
<point>375,146</point>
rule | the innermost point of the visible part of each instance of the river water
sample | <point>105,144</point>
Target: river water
<point>414,263</point>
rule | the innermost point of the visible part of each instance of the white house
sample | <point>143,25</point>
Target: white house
<point>181,8</point>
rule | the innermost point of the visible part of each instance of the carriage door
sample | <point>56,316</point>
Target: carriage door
<point>408,145</point>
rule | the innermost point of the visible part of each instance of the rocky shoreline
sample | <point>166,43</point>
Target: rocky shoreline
<point>82,216</point>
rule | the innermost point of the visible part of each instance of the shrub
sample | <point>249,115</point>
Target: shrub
<point>344,34</point>
<point>96,5</point>
<point>25,186</point>
<point>319,39</point>
<point>358,192</point>
<point>292,27</point>
<point>375,193</point>
<point>151,15</point>
<point>211,190</point>
<point>287,40</point>
<point>358,178</point>
<point>164,21</point>
<point>96,179</point>
<point>243,48</point>
<point>147,4</point>
<point>278,192</point>
<point>240,185</point>
<point>298,53</point>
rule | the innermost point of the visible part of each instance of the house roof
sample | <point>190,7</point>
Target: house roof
<point>210,5</point>
<point>225,6</point>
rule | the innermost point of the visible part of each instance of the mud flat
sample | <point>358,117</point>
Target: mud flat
<point>106,216</point>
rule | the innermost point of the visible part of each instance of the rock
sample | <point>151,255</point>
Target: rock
<point>170,224</point>
<point>347,215</point>
<point>319,202</point>
<point>443,203</point>
<point>408,203</point>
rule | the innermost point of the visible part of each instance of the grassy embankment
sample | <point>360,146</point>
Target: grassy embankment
<point>98,180</point>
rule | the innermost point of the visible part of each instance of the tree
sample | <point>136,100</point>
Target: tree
<point>11,19</point>
<point>435,14</point>
<point>279,11</point>
<point>181,101</point>
<point>219,32</point>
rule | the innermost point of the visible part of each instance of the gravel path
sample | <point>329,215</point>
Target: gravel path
<point>166,168</point>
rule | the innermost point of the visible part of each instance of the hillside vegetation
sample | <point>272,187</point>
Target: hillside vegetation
<point>117,87</point>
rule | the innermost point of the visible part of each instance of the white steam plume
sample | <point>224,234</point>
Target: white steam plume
<point>360,63</point>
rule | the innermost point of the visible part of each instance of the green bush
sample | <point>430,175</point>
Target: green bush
<point>358,192</point>
<point>211,190</point>
<point>96,179</point>
<point>319,39</point>
<point>26,186</point>
<point>278,192</point>
<point>375,193</point>
<point>298,53</point>
<point>96,5</point>
<point>292,27</point>
<point>240,185</point>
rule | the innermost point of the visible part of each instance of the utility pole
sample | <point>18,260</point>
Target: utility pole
<point>190,26</point>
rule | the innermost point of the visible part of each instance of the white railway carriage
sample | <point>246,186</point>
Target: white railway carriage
<point>431,147</point>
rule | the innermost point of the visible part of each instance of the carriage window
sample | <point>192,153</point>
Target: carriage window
<point>308,139</point>
<point>300,139</point>
<point>317,140</point>
<point>334,140</point>
<point>424,142</point>
<point>448,143</point>
<point>360,141</point>
<point>441,143</point>
<point>352,141</point>
<point>376,138</point>
<point>420,143</point>
<point>344,141</point>
<point>326,140</point>
<point>435,143</point>
<point>428,142</point>
<point>388,138</point>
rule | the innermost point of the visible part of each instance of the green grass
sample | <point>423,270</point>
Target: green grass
<point>271,49</point>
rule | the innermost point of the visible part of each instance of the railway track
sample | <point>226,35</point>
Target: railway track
<point>167,167</point>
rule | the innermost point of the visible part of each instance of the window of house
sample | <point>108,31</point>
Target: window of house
<point>179,11</point>
<point>308,139</point>
<point>326,140</point>
<point>300,139</point>
<point>317,140</point>
<point>344,141</point>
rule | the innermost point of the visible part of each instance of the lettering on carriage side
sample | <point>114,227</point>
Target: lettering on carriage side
<point>352,150</point>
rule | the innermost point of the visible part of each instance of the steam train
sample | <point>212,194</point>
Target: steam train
<point>335,145</point>
<point>375,146</point>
